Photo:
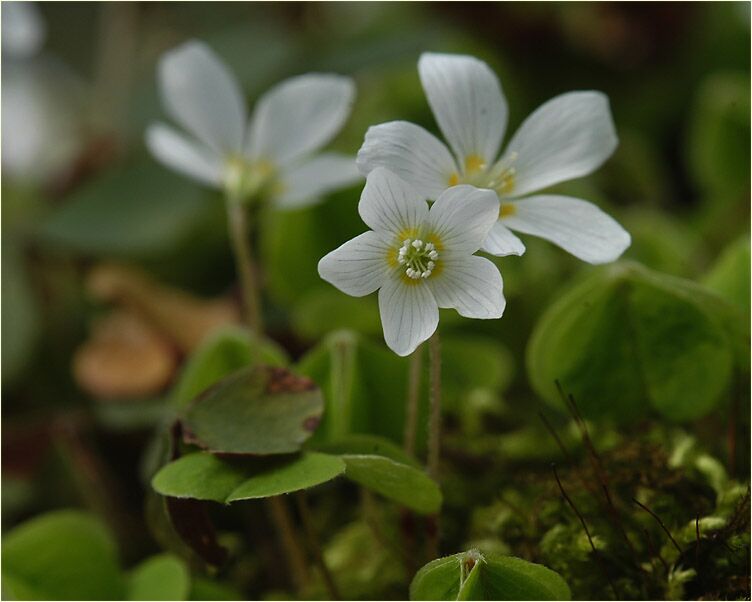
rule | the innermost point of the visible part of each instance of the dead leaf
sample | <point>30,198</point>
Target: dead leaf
<point>124,358</point>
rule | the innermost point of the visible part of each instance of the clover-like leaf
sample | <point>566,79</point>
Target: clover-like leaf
<point>628,340</point>
<point>228,350</point>
<point>256,410</point>
<point>204,476</point>
<point>475,576</point>
<point>401,483</point>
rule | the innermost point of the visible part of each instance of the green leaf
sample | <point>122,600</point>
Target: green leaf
<point>366,445</point>
<point>729,277</point>
<point>718,137</point>
<point>140,210</point>
<point>205,476</point>
<point>20,312</point>
<point>401,483</point>
<point>364,386</point>
<point>627,339</point>
<point>161,577</point>
<point>63,555</point>
<point>257,410</point>
<point>475,576</point>
<point>229,349</point>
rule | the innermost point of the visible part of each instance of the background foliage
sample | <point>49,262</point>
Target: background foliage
<point>116,274</point>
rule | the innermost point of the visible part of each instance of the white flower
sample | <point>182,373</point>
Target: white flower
<point>23,29</point>
<point>271,152</point>
<point>567,137</point>
<point>419,259</point>
<point>42,102</point>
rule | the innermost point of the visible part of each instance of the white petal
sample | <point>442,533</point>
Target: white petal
<point>389,205</point>
<point>359,266</point>
<point>466,98</point>
<point>186,156</point>
<point>576,226</point>
<point>23,29</point>
<point>462,217</point>
<point>470,284</point>
<point>299,116</point>
<point>412,153</point>
<point>567,137</point>
<point>202,95</point>
<point>409,313</point>
<point>305,183</point>
<point>502,242</point>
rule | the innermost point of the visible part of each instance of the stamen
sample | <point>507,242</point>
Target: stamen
<point>418,258</point>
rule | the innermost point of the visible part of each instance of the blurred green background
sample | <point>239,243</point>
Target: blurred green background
<point>92,225</point>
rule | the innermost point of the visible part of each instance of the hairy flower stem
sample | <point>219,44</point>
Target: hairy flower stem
<point>434,406</point>
<point>237,222</point>
<point>434,432</point>
<point>411,405</point>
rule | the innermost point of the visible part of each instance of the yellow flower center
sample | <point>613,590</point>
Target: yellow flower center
<point>499,176</point>
<point>244,180</point>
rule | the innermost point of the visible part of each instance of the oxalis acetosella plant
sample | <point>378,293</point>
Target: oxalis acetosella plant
<point>270,158</point>
<point>431,209</point>
<point>430,212</point>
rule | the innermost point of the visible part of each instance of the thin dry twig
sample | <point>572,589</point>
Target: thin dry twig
<point>660,522</point>
<point>587,531</point>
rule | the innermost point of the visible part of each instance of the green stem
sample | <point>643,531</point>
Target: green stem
<point>434,433</point>
<point>434,409</point>
<point>237,222</point>
<point>315,546</point>
<point>411,405</point>
<point>294,551</point>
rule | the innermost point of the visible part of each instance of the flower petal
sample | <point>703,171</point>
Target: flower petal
<point>412,153</point>
<point>502,242</point>
<point>23,29</point>
<point>305,183</point>
<point>470,284</point>
<point>359,266</point>
<point>462,217</point>
<point>201,94</point>
<point>409,313</point>
<point>576,226</point>
<point>390,206</point>
<point>186,156</point>
<point>299,116</point>
<point>569,136</point>
<point>466,98</point>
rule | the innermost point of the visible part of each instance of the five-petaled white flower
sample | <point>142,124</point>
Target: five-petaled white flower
<point>419,259</point>
<point>567,137</point>
<point>269,154</point>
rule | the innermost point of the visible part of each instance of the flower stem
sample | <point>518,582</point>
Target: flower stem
<point>237,222</point>
<point>434,433</point>
<point>240,238</point>
<point>434,409</point>
<point>294,552</point>
<point>315,546</point>
<point>411,405</point>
